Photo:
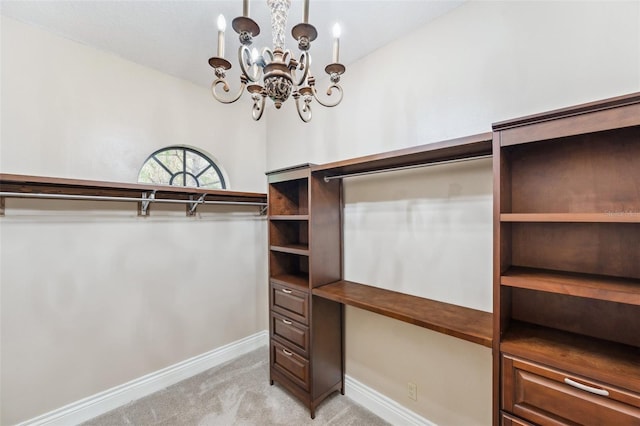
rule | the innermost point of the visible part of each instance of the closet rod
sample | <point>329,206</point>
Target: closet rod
<point>107,198</point>
<point>413,166</point>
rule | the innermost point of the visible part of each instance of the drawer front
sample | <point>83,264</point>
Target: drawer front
<point>290,302</point>
<point>293,334</point>
<point>509,420</point>
<point>547,396</point>
<point>290,364</point>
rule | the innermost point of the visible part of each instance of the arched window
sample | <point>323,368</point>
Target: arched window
<point>182,166</point>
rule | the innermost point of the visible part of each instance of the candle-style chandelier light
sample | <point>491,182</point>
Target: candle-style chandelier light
<point>281,73</point>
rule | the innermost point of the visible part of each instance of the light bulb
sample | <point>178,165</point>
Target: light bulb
<point>336,30</point>
<point>254,54</point>
<point>222,23</point>
<point>336,43</point>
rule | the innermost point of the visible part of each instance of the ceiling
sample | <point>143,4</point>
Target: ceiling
<point>178,37</point>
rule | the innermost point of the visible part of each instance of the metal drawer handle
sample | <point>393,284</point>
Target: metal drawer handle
<point>586,388</point>
<point>287,322</point>
<point>286,352</point>
<point>286,291</point>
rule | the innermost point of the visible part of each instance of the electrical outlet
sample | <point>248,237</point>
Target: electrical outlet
<point>412,391</point>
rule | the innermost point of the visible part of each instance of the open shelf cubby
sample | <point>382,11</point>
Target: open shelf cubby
<point>289,198</point>
<point>290,236</point>
<point>289,268</point>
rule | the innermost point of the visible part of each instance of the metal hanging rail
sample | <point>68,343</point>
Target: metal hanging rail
<point>414,166</point>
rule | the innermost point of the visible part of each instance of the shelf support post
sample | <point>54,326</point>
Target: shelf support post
<point>1,206</point>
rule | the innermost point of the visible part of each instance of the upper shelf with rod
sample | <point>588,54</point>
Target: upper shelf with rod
<point>453,150</point>
<point>24,186</point>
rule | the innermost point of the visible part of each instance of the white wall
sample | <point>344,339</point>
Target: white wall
<point>428,232</point>
<point>92,295</point>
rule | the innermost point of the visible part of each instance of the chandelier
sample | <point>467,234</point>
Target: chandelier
<point>276,73</point>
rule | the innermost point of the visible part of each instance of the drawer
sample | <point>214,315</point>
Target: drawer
<point>509,420</point>
<point>291,333</point>
<point>290,302</point>
<point>544,395</point>
<point>292,365</point>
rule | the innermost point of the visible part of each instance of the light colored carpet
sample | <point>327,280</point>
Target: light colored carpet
<point>234,393</point>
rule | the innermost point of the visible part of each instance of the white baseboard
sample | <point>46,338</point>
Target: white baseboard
<point>100,403</point>
<point>381,405</point>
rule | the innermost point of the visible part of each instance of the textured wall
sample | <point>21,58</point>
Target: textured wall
<point>92,295</point>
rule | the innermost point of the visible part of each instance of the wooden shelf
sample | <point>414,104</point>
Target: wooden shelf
<point>613,289</point>
<point>612,217</point>
<point>603,360</point>
<point>454,149</point>
<point>289,279</point>
<point>465,323</point>
<point>24,184</point>
<point>289,217</point>
<point>292,249</point>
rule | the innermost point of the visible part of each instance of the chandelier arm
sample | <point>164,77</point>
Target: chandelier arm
<point>244,58</point>
<point>305,111</point>
<point>225,87</point>
<point>267,53</point>
<point>330,90</point>
<point>258,107</point>
<point>304,65</point>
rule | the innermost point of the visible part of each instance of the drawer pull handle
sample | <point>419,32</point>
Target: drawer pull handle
<point>287,353</point>
<point>586,388</point>
<point>287,322</point>
<point>286,291</point>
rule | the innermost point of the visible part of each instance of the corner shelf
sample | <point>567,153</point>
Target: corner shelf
<point>465,323</point>
<point>612,289</point>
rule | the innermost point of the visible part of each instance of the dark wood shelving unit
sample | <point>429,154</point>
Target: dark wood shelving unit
<point>567,265</point>
<point>465,323</point>
<point>564,330</point>
<point>306,354</point>
<point>305,218</point>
